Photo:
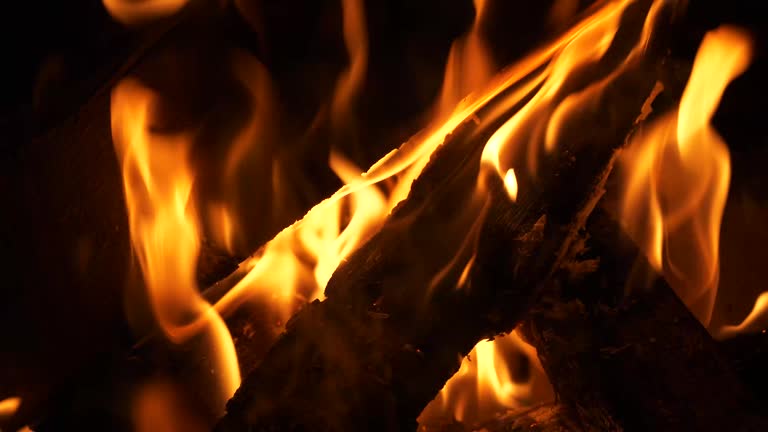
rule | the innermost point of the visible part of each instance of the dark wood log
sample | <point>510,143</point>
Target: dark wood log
<point>551,417</point>
<point>624,353</point>
<point>748,353</point>
<point>387,337</point>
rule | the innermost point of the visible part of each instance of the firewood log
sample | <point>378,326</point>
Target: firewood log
<point>386,338</point>
<point>630,360</point>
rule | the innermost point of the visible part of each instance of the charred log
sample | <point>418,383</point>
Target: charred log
<point>624,353</point>
<point>387,337</point>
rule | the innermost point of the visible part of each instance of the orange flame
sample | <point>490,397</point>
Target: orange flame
<point>678,175</point>
<point>302,257</point>
<point>9,406</point>
<point>485,383</point>
<point>247,146</point>
<point>157,407</point>
<point>756,320</point>
<point>133,12</point>
<point>469,66</point>
<point>280,271</point>
<point>356,40</point>
<point>157,183</point>
<point>539,122</point>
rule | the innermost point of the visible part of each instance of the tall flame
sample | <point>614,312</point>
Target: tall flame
<point>356,40</point>
<point>678,171</point>
<point>247,151</point>
<point>296,265</point>
<point>164,233</point>
<point>279,272</point>
<point>469,67</point>
<point>132,12</point>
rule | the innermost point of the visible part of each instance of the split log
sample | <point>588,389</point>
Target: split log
<point>629,362</point>
<point>386,339</point>
<point>636,360</point>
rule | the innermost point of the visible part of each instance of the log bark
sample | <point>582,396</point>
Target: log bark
<point>386,339</point>
<point>624,353</point>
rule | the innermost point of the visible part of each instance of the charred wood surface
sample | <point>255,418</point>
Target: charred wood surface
<point>624,353</point>
<point>386,339</point>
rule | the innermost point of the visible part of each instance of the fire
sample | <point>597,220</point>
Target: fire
<point>296,265</point>
<point>469,66</point>
<point>9,406</point>
<point>678,172</point>
<point>247,150</point>
<point>683,205</point>
<point>498,375</point>
<point>280,272</point>
<point>158,407</point>
<point>164,233</point>
<point>132,12</point>
<point>350,81</point>
<point>755,321</point>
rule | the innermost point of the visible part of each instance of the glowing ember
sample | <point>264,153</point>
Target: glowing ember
<point>132,12</point>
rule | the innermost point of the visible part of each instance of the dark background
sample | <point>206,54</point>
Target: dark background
<point>63,230</point>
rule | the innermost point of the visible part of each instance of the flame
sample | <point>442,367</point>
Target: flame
<point>469,66</point>
<point>133,12</point>
<point>157,183</point>
<point>485,383</point>
<point>541,119</point>
<point>756,320</point>
<point>247,148</point>
<point>678,172</point>
<point>9,406</point>
<point>158,407</point>
<point>296,265</point>
<point>356,41</point>
<point>510,183</point>
<point>307,253</point>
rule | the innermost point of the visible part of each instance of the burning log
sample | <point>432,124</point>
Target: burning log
<point>640,361</point>
<point>390,332</point>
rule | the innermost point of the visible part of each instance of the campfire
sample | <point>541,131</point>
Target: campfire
<point>535,236</point>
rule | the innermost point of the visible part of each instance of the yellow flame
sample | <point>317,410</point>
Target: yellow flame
<point>308,252</point>
<point>485,385</point>
<point>132,12</point>
<point>510,183</point>
<point>541,119</point>
<point>469,66</point>
<point>678,171</point>
<point>9,406</point>
<point>157,184</point>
